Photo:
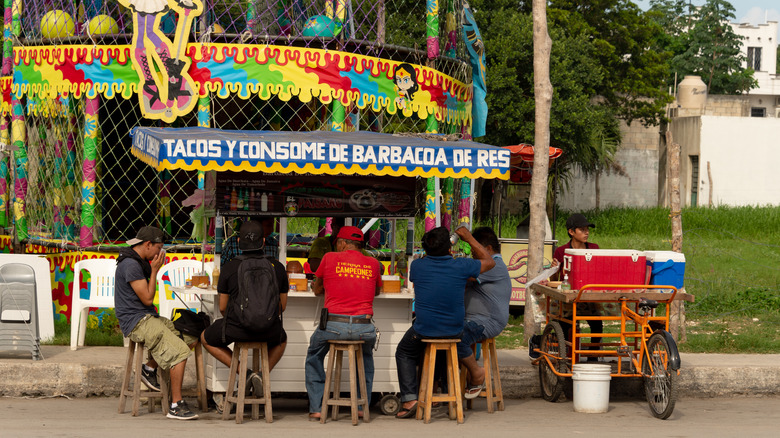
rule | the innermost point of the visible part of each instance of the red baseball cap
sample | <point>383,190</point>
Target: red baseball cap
<point>350,233</point>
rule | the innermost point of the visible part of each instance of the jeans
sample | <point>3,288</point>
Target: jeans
<point>473,333</point>
<point>408,355</point>
<point>318,348</point>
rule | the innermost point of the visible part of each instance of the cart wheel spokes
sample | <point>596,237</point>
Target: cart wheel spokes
<point>553,347</point>
<point>660,380</point>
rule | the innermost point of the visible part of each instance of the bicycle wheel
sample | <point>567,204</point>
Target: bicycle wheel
<point>554,344</point>
<point>661,381</point>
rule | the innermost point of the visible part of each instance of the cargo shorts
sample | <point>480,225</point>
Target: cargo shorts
<point>166,345</point>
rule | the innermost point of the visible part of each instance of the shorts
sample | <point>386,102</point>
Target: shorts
<point>472,333</point>
<point>233,333</point>
<point>167,346</point>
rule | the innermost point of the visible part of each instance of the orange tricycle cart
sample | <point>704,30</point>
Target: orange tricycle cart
<point>641,346</point>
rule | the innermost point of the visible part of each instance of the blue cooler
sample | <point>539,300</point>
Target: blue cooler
<point>666,268</point>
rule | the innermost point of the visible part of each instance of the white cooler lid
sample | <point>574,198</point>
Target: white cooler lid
<point>662,256</point>
<point>605,252</point>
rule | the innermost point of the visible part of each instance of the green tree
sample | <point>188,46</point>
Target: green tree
<point>703,43</point>
<point>581,123</point>
<point>623,35</point>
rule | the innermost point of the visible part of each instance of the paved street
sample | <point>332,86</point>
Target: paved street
<point>693,417</point>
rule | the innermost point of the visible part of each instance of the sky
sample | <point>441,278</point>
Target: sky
<point>746,11</point>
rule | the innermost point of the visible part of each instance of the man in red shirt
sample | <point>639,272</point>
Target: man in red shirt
<point>350,281</point>
<point>578,228</point>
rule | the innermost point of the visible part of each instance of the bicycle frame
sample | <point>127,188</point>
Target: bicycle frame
<point>643,326</point>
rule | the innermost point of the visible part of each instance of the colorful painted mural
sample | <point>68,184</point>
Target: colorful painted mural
<point>247,70</point>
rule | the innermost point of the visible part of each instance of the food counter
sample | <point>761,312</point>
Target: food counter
<point>392,317</point>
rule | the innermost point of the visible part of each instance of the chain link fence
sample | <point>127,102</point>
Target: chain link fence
<point>67,137</point>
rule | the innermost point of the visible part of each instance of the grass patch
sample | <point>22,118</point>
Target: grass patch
<point>732,268</point>
<point>102,330</point>
<point>758,335</point>
<point>512,336</point>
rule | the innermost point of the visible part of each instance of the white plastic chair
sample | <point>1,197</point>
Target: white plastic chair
<point>174,274</point>
<point>101,294</point>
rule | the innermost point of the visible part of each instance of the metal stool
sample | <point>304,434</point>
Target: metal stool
<point>492,391</point>
<point>454,392</point>
<point>134,364</point>
<point>240,354</point>
<point>354,351</point>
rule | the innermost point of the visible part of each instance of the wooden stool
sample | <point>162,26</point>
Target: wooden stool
<point>201,377</point>
<point>454,393</point>
<point>240,354</point>
<point>492,391</point>
<point>134,364</point>
<point>333,374</point>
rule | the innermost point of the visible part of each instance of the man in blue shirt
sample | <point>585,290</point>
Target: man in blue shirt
<point>487,310</point>
<point>439,284</point>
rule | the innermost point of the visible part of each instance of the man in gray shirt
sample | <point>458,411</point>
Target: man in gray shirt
<point>487,310</point>
<point>134,290</point>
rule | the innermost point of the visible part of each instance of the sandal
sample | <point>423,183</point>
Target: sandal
<point>473,391</point>
<point>407,413</point>
<point>315,417</point>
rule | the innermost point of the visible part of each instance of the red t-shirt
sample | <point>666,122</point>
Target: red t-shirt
<point>350,280</point>
<point>561,251</point>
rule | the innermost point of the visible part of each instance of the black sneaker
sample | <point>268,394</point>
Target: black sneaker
<point>248,386</point>
<point>150,379</point>
<point>257,385</point>
<point>534,342</point>
<point>181,412</point>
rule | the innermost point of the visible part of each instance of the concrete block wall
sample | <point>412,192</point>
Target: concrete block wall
<point>638,155</point>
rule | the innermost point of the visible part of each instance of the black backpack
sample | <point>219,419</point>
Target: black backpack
<point>256,306</point>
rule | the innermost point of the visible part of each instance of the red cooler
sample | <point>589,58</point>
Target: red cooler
<point>604,266</point>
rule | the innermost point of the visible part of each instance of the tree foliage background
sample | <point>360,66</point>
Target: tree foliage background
<point>702,43</point>
<point>602,70</point>
<point>610,62</point>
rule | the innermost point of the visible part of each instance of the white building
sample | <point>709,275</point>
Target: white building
<point>760,48</point>
<point>727,154</point>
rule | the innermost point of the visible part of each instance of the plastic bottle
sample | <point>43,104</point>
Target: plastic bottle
<point>252,200</point>
<point>233,199</point>
<point>264,202</point>
<point>565,285</point>
<point>215,277</point>
<point>240,200</point>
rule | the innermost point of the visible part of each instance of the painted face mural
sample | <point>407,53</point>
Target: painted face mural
<point>405,79</point>
<point>165,88</point>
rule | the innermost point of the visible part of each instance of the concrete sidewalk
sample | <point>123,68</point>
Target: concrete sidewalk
<point>97,371</point>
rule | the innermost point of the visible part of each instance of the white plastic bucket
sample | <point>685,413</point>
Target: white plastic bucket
<point>591,387</point>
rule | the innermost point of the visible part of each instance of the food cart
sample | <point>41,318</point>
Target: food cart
<point>640,347</point>
<point>320,173</point>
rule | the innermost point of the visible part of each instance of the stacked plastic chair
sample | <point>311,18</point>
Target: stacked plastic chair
<point>18,309</point>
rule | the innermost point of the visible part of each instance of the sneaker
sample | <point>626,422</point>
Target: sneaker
<point>534,342</point>
<point>257,385</point>
<point>248,387</point>
<point>149,378</point>
<point>181,412</point>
